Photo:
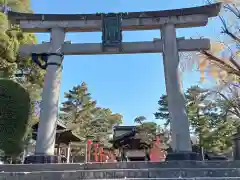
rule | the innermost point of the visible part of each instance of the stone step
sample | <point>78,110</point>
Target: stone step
<point>204,178</point>
<point>179,173</point>
<point>198,178</point>
<point>166,164</point>
<point>118,165</point>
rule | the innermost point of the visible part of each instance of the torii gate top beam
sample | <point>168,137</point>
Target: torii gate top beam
<point>211,10</point>
<point>146,20</point>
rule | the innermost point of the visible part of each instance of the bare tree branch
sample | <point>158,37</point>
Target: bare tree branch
<point>226,66</point>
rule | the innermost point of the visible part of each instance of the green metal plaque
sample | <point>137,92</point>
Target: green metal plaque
<point>111,31</point>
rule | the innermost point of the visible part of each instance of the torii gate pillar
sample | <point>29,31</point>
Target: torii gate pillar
<point>181,142</point>
<point>50,95</point>
<point>45,145</point>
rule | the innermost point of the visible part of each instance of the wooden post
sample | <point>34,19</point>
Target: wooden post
<point>96,152</point>
<point>88,150</point>
<point>101,154</point>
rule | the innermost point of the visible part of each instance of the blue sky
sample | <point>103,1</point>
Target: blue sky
<point>127,84</point>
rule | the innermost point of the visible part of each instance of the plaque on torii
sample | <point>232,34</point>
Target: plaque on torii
<point>111,32</point>
<point>111,26</point>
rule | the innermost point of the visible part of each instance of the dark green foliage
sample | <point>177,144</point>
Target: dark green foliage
<point>80,114</point>
<point>140,119</point>
<point>14,118</point>
<point>207,118</point>
<point>147,132</point>
<point>21,69</point>
<point>163,112</point>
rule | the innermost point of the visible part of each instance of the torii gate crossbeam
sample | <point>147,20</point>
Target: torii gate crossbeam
<point>127,47</point>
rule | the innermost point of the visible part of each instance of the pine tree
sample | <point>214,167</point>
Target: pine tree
<point>205,117</point>
<point>81,115</point>
<point>163,113</point>
<point>140,119</point>
<point>147,132</point>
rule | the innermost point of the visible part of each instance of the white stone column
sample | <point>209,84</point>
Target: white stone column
<point>50,96</point>
<point>176,103</point>
<point>68,152</point>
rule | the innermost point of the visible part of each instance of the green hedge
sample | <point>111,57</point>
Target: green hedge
<point>15,109</point>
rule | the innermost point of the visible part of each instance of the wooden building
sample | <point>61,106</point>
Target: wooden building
<point>129,145</point>
<point>64,138</point>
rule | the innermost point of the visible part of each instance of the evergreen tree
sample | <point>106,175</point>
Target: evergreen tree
<point>140,119</point>
<point>14,120</point>
<point>78,105</point>
<point>81,115</point>
<point>163,113</point>
<point>206,121</point>
<point>203,116</point>
<point>147,132</point>
<point>12,65</point>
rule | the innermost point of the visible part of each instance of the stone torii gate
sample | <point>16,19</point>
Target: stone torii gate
<point>112,26</point>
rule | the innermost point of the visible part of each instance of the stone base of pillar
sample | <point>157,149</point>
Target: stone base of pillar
<point>179,156</point>
<point>42,159</point>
